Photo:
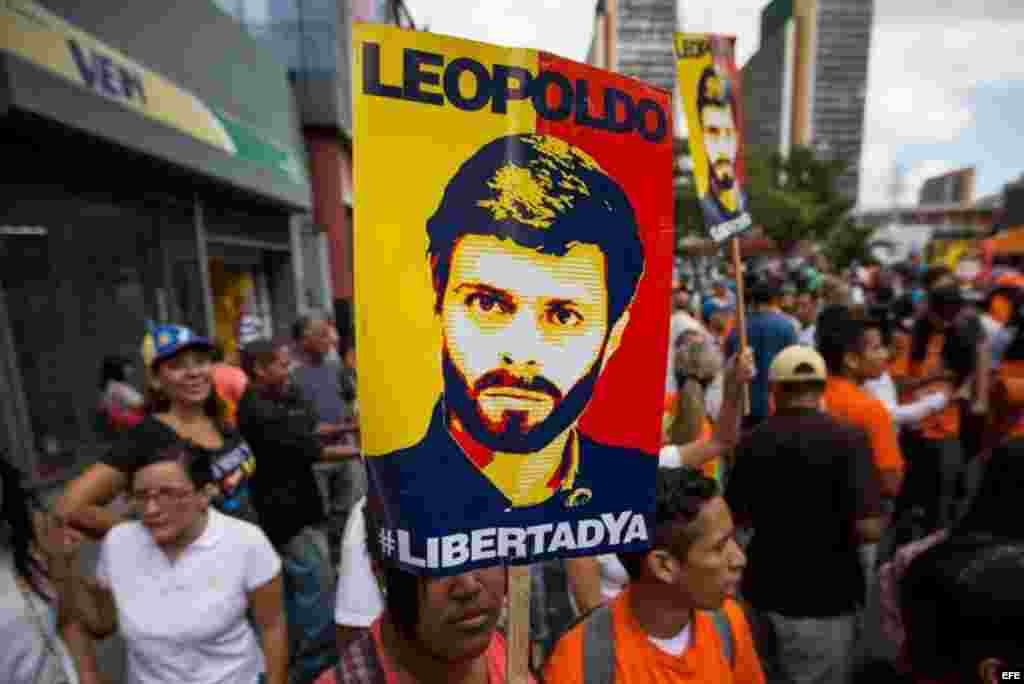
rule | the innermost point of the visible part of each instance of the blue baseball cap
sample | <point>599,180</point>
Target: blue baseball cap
<point>170,340</point>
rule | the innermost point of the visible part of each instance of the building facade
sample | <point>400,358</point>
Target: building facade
<point>142,182</point>
<point>312,39</point>
<point>644,38</point>
<point>807,83</point>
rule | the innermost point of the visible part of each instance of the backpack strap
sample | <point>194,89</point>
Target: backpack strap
<point>599,647</point>
<point>725,636</point>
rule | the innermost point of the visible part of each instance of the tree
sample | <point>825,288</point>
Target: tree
<point>795,198</point>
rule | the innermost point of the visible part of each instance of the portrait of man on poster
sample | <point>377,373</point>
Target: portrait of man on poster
<point>535,257</point>
<point>716,108</point>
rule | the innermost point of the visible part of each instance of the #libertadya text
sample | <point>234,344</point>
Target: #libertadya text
<point>495,543</point>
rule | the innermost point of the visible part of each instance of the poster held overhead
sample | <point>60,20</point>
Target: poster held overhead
<point>513,259</point>
<point>710,90</point>
<point>709,85</point>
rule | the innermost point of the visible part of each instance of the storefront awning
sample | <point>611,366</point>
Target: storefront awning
<point>181,82</point>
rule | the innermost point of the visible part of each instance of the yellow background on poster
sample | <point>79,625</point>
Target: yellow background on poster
<point>405,155</point>
<point>689,67</point>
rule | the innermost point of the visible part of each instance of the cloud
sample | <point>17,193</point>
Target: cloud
<point>919,12</point>
<point>563,28</point>
<point>741,18</point>
<point>923,78</point>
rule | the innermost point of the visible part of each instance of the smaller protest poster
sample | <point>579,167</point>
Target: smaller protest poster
<point>513,262</point>
<point>709,85</point>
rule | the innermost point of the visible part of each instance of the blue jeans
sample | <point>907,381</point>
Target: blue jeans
<point>309,587</point>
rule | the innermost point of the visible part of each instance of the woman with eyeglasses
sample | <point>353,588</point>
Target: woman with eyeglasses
<point>179,582</point>
<point>181,403</point>
<point>40,643</point>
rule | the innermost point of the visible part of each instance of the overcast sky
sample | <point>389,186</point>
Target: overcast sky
<point>945,90</point>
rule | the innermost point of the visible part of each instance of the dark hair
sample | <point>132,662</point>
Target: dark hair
<point>680,495</point>
<point>196,464</point>
<point>934,274</point>
<point>705,99</point>
<point>838,333</point>
<point>960,350</point>
<point>215,407</point>
<point>16,515</point>
<point>260,353</point>
<point>580,204</point>
<point>113,370</point>
<point>303,323</point>
<point>962,602</point>
<point>401,589</point>
<point>765,289</point>
<point>995,507</point>
<point>789,393</point>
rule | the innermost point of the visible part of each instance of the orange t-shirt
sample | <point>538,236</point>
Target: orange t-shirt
<point>848,402</point>
<point>638,661</point>
<point>1010,419</point>
<point>946,423</point>
<point>710,468</point>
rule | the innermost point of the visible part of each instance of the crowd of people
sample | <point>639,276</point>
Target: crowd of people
<point>834,503</point>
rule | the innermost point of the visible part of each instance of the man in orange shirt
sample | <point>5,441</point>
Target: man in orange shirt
<point>935,452</point>
<point>675,622</point>
<point>854,352</point>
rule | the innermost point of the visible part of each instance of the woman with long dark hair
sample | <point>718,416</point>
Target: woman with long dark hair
<point>40,642</point>
<point>181,402</point>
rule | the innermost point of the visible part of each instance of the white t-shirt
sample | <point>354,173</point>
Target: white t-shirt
<point>359,600</point>
<point>28,634</point>
<point>806,336</point>
<point>186,621</point>
<point>677,645</point>
<point>614,577</point>
<point>884,389</point>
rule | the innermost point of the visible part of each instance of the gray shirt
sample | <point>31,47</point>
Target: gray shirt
<point>321,386</point>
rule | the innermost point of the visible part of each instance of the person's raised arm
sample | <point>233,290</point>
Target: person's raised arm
<point>738,374</point>
<point>83,504</point>
<point>79,600</point>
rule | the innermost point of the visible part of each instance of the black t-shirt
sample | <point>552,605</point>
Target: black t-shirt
<point>233,464</point>
<point>282,431</point>
<point>803,480</point>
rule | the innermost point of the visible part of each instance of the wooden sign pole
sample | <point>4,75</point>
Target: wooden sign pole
<point>741,314</point>
<point>518,635</point>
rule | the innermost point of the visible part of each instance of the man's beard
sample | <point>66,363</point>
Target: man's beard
<point>726,180</point>
<point>515,436</point>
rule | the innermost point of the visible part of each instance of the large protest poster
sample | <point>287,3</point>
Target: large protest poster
<point>513,254</point>
<point>709,86</point>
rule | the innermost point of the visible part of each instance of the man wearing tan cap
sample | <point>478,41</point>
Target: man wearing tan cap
<point>807,484</point>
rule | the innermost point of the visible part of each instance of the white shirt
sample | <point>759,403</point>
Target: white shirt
<point>614,576</point>
<point>806,336</point>
<point>884,389</point>
<point>677,645</point>
<point>186,621</point>
<point>31,646</point>
<point>359,600</point>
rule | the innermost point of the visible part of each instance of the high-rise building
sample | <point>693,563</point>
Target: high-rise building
<point>807,83</point>
<point>635,38</point>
